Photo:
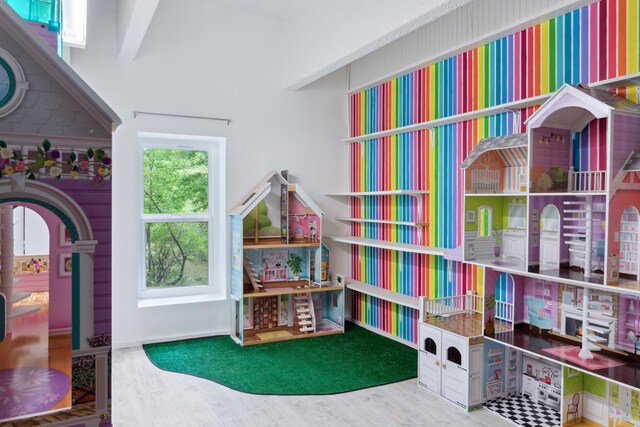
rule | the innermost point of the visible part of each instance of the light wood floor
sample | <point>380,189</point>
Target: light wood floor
<point>144,395</point>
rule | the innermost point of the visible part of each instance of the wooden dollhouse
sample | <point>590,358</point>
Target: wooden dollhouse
<point>55,138</point>
<point>276,239</point>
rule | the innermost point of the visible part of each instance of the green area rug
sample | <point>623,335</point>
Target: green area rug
<point>321,365</point>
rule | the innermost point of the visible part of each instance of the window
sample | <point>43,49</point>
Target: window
<point>484,221</point>
<point>182,215</point>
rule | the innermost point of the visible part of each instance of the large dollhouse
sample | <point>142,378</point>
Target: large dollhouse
<point>55,306</point>
<point>276,241</point>
<point>552,217</point>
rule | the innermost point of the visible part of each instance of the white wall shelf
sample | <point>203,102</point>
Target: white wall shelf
<point>384,294</point>
<point>379,193</point>
<point>490,111</point>
<point>394,246</point>
<point>383,221</point>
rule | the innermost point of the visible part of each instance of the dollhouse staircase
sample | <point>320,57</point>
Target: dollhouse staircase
<point>304,313</point>
<point>589,338</point>
<point>578,219</point>
<point>630,168</point>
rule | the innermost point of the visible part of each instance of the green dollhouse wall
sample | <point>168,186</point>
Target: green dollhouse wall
<point>496,203</point>
<point>500,206</point>
<point>572,384</point>
<point>594,385</point>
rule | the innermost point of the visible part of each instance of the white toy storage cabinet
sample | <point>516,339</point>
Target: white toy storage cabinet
<point>451,365</point>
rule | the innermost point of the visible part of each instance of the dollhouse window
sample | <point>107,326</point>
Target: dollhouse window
<point>430,346</point>
<point>12,83</point>
<point>485,214</point>
<point>454,355</point>
<point>182,219</point>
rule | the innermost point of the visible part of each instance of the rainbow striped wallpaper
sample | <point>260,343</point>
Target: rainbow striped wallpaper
<point>392,318</point>
<point>597,42</point>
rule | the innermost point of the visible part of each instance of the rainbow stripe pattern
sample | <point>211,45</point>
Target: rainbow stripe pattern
<point>594,43</point>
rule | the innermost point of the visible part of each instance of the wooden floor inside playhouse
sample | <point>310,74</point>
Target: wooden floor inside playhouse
<point>466,325</point>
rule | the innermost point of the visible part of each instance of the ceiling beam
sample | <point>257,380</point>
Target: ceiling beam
<point>134,18</point>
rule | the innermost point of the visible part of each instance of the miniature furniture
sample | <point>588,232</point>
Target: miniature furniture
<point>572,409</point>
<point>538,316</point>
<point>277,236</point>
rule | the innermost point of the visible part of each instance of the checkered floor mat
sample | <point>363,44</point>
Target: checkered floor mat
<point>524,412</point>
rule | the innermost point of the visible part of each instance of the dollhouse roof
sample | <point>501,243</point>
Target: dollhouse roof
<point>59,70</point>
<point>264,187</point>
<point>574,107</point>
<point>512,149</point>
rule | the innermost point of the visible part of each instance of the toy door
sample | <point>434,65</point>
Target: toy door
<point>431,352</point>
<point>629,248</point>
<point>455,363</point>
<point>550,238</point>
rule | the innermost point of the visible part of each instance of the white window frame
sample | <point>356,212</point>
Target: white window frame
<point>215,216</point>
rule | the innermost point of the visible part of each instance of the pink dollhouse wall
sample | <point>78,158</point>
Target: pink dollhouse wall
<point>298,218</point>
<point>619,202</point>
<point>626,138</point>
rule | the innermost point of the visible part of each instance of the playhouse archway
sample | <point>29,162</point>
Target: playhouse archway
<point>17,189</point>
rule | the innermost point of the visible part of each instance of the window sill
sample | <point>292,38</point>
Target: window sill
<point>177,300</point>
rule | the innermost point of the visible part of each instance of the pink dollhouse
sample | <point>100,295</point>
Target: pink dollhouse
<point>55,139</point>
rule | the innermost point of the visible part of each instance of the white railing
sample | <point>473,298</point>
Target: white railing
<point>503,311</point>
<point>485,180</point>
<point>446,306</point>
<point>586,180</point>
<point>88,173</point>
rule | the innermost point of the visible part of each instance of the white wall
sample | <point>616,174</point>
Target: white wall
<point>322,36</point>
<point>468,26</point>
<point>199,58</point>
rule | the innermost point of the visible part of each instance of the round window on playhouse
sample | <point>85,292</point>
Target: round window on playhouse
<point>12,83</point>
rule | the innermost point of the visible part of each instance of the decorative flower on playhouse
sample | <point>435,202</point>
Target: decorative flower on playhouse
<point>94,164</point>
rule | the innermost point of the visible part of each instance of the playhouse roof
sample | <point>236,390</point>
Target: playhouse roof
<point>512,149</point>
<point>264,187</point>
<point>57,68</point>
<point>575,106</point>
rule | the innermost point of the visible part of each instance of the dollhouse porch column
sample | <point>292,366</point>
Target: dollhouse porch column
<point>6,259</point>
<point>85,250</point>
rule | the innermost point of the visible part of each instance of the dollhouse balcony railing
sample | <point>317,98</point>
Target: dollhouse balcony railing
<point>586,180</point>
<point>504,311</point>
<point>469,303</point>
<point>485,180</point>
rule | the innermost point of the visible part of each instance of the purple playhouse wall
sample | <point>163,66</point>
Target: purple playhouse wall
<point>96,204</point>
<point>49,37</point>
